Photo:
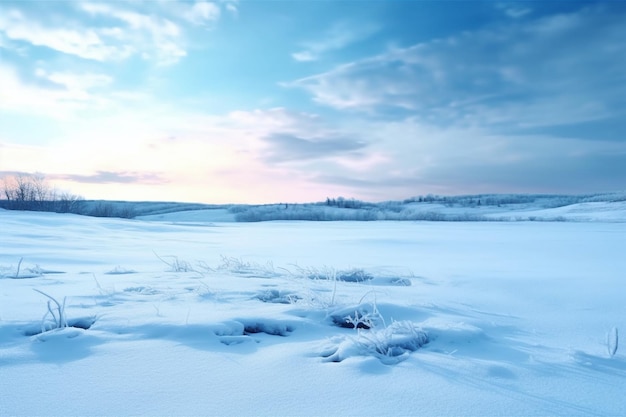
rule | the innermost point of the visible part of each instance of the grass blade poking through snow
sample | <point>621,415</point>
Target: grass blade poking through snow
<point>176,265</point>
<point>60,321</point>
<point>612,341</point>
<point>17,274</point>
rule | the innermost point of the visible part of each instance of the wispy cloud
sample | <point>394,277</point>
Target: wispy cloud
<point>231,6</point>
<point>81,42</point>
<point>109,177</point>
<point>202,13</point>
<point>285,147</point>
<point>286,136</point>
<point>277,119</point>
<point>515,10</point>
<point>60,94</point>
<point>76,84</point>
<point>154,37</point>
<point>554,70</point>
<point>339,36</point>
<point>111,31</point>
<point>425,158</point>
<point>64,93</point>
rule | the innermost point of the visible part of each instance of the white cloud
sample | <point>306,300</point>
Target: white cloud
<point>154,31</point>
<point>515,10</point>
<point>361,85</point>
<point>232,9</point>
<point>158,27</point>
<point>304,56</point>
<point>156,37</point>
<point>85,43</point>
<point>17,96</point>
<point>277,119</point>
<point>78,81</point>
<point>337,37</point>
<point>152,37</point>
<point>54,95</point>
<point>202,13</point>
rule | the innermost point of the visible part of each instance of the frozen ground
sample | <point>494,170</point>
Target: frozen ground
<point>199,318</point>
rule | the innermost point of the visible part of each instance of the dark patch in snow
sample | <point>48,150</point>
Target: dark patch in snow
<point>142,290</point>
<point>354,275</point>
<point>349,275</point>
<point>363,316</point>
<point>347,324</point>
<point>82,322</point>
<point>399,282</point>
<point>235,340</point>
<point>277,297</point>
<point>271,327</point>
<point>77,323</point>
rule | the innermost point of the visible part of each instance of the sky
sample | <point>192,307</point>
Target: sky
<point>256,101</point>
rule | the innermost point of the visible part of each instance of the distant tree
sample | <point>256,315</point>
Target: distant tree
<point>32,192</point>
<point>25,191</point>
<point>102,209</point>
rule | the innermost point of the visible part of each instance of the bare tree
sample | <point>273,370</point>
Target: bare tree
<point>20,191</point>
<point>68,203</point>
<point>32,192</point>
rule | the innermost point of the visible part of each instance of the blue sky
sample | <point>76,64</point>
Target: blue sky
<point>273,101</point>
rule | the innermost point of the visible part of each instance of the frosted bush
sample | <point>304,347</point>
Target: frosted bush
<point>391,344</point>
<point>362,316</point>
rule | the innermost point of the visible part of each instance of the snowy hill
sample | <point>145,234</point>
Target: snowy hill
<point>483,207</point>
<point>605,211</point>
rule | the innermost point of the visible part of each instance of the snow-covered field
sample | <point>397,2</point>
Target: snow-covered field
<point>199,318</point>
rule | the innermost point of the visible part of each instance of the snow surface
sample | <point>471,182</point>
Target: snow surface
<point>465,318</point>
<point>192,216</point>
